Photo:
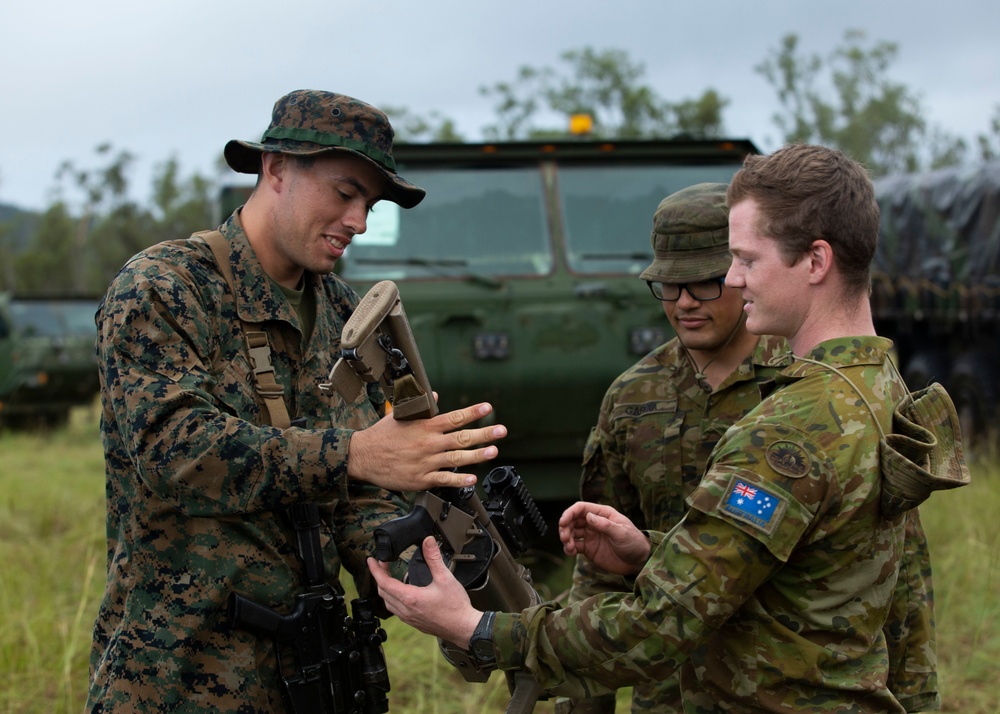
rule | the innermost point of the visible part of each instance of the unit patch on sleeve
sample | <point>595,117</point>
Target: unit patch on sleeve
<point>752,504</point>
<point>788,459</point>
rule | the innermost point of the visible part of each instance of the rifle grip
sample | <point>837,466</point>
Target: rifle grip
<point>253,616</point>
<point>392,538</point>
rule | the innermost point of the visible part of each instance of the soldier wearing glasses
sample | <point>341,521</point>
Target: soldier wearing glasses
<point>797,579</point>
<point>661,418</point>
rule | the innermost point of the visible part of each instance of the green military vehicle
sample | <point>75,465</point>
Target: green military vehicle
<point>519,274</point>
<point>47,360</point>
<point>936,289</point>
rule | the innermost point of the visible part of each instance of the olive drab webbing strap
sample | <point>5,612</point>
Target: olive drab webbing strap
<point>258,346</point>
<point>259,352</point>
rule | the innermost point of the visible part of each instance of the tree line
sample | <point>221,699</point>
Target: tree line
<point>845,99</point>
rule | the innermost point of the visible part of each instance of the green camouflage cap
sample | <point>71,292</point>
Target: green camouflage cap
<point>307,122</point>
<point>690,236</point>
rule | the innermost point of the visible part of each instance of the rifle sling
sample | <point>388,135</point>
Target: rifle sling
<point>305,516</point>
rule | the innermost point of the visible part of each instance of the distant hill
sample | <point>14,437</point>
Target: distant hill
<point>8,212</point>
<point>20,222</point>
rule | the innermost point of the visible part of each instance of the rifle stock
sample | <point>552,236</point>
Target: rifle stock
<point>377,345</point>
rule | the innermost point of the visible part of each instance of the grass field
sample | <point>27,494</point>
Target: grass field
<point>52,572</point>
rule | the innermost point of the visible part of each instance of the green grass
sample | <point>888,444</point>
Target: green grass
<point>51,564</point>
<point>52,576</point>
<point>965,555</point>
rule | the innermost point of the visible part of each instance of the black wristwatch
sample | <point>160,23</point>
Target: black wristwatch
<point>481,644</point>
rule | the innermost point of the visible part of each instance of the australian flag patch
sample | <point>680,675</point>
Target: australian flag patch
<point>752,504</point>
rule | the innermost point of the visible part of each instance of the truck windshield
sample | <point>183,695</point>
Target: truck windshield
<point>473,222</point>
<point>608,211</point>
<point>491,222</point>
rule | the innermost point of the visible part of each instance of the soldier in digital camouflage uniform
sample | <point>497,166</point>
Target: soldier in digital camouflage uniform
<point>772,591</point>
<point>198,481</point>
<point>662,417</point>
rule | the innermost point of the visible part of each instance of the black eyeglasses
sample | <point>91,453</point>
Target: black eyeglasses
<point>710,289</point>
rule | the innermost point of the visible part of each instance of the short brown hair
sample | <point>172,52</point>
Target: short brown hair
<point>805,193</point>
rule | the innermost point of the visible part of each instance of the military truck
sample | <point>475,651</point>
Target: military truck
<point>936,289</point>
<point>47,360</point>
<point>519,273</point>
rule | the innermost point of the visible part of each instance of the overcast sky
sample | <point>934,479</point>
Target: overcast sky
<point>181,78</point>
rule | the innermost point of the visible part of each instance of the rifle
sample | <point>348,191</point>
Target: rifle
<point>479,543</point>
<point>329,663</point>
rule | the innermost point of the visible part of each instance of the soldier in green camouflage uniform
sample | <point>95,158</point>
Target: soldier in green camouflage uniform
<point>662,417</point>
<point>198,481</point>
<point>772,591</point>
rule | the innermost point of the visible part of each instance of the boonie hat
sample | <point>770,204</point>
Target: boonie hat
<point>690,236</point>
<point>308,122</point>
<point>923,453</point>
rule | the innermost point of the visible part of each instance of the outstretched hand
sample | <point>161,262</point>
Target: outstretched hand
<point>420,454</point>
<point>603,536</point>
<point>442,608</point>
